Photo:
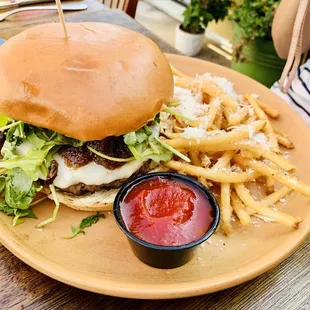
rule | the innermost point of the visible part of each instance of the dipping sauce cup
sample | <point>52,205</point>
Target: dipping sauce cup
<point>165,216</point>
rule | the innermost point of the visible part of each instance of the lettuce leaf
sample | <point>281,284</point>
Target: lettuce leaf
<point>18,186</point>
<point>3,120</point>
<point>145,145</point>
<point>19,189</point>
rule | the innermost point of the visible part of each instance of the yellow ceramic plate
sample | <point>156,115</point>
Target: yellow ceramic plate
<point>101,261</point>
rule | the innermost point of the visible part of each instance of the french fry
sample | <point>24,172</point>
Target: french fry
<point>270,183</point>
<point>209,87</point>
<point>173,135</point>
<point>204,182</point>
<point>272,112</point>
<point>272,199</point>
<point>263,209</point>
<point>225,207</point>
<point>223,161</point>
<point>214,108</point>
<point>218,120</point>
<point>276,196</point>
<point>242,132</point>
<point>213,175</point>
<point>285,142</point>
<point>230,138</point>
<point>251,119</point>
<point>254,148</point>
<point>285,179</point>
<point>239,209</point>
<point>237,117</point>
<point>247,153</point>
<point>284,139</point>
<point>257,149</point>
<point>205,160</point>
<point>194,157</point>
<point>261,115</point>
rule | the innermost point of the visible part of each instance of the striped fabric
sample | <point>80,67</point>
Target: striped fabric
<point>298,96</point>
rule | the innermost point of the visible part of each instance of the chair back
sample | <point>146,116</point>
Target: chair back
<point>128,6</point>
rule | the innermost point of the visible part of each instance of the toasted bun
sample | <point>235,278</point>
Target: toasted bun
<point>104,81</point>
<point>98,201</point>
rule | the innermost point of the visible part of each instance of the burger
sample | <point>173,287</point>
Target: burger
<point>79,116</point>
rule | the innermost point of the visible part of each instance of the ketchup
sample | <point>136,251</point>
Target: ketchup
<point>166,212</point>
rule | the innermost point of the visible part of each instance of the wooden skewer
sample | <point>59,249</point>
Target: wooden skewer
<point>62,18</point>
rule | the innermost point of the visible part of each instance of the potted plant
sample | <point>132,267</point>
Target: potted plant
<point>254,52</point>
<point>189,36</point>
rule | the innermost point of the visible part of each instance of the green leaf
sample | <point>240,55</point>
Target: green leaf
<point>135,153</point>
<point>18,214</point>
<point>12,125</point>
<point>86,222</point>
<point>3,120</point>
<point>200,12</point>
<point>73,230</point>
<point>147,130</point>
<point>19,190</point>
<point>2,182</point>
<point>174,104</point>
<point>18,186</point>
<point>130,138</point>
<point>121,160</point>
<point>141,136</point>
<point>177,114</point>
<point>56,208</point>
<point>254,18</point>
<point>30,163</point>
<point>35,140</point>
<point>171,149</point>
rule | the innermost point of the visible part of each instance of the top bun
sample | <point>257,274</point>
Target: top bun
<point>104,81</point>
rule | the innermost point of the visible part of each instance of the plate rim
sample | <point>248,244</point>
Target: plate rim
<point>33,259</point>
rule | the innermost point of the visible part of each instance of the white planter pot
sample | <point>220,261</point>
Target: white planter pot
<point>187,43</point>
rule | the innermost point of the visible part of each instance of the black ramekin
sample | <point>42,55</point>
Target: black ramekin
<point>158,256</point>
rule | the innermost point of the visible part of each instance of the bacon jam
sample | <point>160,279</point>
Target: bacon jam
<point>166,212</point>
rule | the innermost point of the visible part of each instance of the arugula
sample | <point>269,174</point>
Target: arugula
<point>18,191</point>
<point>179,115</point>
<point>86,222</point>
<point>3,120</point>
<point>21,171</point>
<point>145,145</point>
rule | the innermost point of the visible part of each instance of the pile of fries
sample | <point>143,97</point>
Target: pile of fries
<point>236,146</point>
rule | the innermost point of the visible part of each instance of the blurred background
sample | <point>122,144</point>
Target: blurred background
<point>235,34</point>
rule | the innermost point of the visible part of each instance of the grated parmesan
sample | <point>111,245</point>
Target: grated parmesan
<point>261,139</point>
<point>191,105</point>
<point>190,132</point>
<point>225,85</point>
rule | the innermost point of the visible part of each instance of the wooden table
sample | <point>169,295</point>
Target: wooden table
<point>286,287</point>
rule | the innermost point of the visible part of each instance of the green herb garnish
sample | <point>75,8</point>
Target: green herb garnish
<point>145,145</point>
<point>177,114</point>
<point>22,168</point>
<point>120,160</point>
<point>57,204</point>
<point>86,222</point>
<point>174,104</point>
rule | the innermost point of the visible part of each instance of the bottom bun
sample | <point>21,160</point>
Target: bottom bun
<point>97,201</point>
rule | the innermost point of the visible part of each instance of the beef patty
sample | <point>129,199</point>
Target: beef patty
<point>81,188</point>
<point>76,157</point>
